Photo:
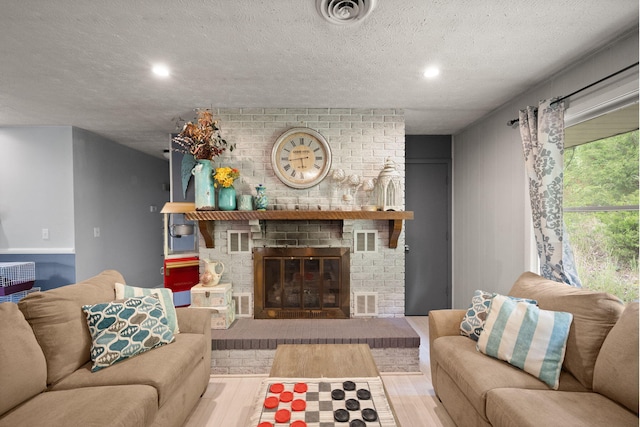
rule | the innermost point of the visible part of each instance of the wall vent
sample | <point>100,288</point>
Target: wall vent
<point>238,242</point>
<point>243,304</point>
<point>365,304</point>
<point>365,241</point>
<point>343,12</point>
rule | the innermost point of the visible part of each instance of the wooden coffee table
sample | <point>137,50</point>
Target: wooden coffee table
<point>326,361</point>
<point>323,361</point>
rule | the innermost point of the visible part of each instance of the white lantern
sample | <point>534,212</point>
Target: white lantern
<point>388,190</point>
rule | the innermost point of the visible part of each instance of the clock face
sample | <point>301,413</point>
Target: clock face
<point>301,157</point>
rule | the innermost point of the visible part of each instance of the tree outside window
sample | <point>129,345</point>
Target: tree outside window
<point>601,213</point>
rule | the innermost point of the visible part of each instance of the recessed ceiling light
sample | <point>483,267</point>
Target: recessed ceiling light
<point>160,70</point>
<point>431,72</point>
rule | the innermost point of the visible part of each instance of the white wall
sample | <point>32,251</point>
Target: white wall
<point>69,181</point>
<point>360,140</point>
<point>491,219</point>
<point>36,190</point>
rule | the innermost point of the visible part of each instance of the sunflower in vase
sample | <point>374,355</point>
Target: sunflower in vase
<point>225,176</point>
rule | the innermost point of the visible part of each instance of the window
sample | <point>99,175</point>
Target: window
<point>601,201</point>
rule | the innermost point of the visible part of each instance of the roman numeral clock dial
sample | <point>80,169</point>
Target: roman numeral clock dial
<point>301,157</point>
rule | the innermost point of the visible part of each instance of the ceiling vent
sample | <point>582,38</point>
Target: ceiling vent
<point>343,12</point>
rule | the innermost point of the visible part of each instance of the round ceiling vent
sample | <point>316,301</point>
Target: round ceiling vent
<point>345,11</point>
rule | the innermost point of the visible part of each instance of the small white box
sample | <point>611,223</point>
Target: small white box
<point>221,317</point>
<point>211,296</point>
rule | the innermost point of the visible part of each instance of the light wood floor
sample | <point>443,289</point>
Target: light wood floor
<point>229,400</point>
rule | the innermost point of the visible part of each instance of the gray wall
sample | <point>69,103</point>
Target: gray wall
<point>115,188</point>
<point>493,244</point>
<point>69,181</point>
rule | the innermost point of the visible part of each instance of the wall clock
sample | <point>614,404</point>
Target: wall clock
<point>301,157</point>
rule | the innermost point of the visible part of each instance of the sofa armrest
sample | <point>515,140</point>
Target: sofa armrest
<point>194,321</point>
<point>197,321</point>
<point>444,323</point>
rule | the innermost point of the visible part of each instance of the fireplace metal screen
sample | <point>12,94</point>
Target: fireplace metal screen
<point>301,283</point>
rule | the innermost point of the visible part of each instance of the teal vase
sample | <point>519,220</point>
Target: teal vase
<point>203,182</point>
<point>227,199</point>
<point>261,198</point>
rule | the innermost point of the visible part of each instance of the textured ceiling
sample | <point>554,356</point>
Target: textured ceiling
<point>87,64</point>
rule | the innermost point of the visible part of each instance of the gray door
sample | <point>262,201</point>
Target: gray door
<point>427,257</point>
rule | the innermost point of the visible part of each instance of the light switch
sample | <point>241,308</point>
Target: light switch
<point>96,231</point>
<point>45,234</point>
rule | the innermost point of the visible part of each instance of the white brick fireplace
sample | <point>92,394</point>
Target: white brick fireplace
<point>360,140</point>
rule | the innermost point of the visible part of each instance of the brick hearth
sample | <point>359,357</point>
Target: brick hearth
<point>248,347</point>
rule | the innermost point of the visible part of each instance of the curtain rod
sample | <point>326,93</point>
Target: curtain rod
<point>514,121</point>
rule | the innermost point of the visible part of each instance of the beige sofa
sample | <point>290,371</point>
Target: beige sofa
<point>45,366</point>
<point>599,378</point>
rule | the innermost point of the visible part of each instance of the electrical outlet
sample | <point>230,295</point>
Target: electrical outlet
<point>96,231</point>
<point>45,234</point>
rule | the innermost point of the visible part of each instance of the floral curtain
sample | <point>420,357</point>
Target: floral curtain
<point>542,132</point>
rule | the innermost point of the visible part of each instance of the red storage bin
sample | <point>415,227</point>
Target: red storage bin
<point>180,275</point>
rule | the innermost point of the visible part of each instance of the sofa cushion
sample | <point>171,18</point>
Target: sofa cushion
<point>165,295</point>
<point>59,324</point>
<point>475,373</point>
<point>510,407</point>
<point>473,322</point>
<point>163,368</point>
<point>594,314</point>
<point>527,337</point>
<point>120,330</point>
<point>23,369</point>
<point>616,371</point>
<point>133,405</point>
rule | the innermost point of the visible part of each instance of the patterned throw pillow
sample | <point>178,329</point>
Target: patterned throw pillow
<point>165,295</point>
<point>120,330</point>
<point>526,337</point>
<point>473,321</point>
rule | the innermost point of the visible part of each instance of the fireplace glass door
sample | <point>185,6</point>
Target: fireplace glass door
<point>302,283</point>
<point>299,286</point>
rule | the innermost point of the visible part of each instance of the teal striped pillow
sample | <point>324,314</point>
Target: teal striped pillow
<point>526,337</point>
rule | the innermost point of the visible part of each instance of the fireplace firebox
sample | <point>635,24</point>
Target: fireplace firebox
<point>294,283</point>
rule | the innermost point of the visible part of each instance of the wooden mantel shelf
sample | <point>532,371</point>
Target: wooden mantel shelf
<point>206,219</point>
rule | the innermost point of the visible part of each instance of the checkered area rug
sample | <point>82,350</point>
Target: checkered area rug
<point>322,402</point>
